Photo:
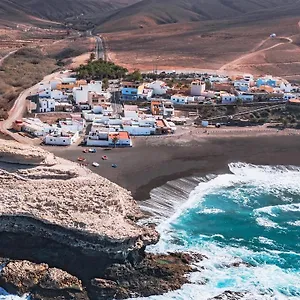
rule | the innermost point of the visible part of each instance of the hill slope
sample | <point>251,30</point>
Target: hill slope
<point>58,10</point>
<point>156,12</point>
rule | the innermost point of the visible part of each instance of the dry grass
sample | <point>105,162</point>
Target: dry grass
<point>20,71</point>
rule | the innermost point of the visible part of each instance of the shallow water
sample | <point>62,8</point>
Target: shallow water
<point>251,216</point>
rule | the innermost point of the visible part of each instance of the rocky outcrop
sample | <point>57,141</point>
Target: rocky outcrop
<point>16,153</point>
<point>20,277</point>
<point>229,295</point>
<point>156,274</point>
<point>65,215</point>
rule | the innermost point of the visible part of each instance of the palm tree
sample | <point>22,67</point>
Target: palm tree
<point>115,140</point>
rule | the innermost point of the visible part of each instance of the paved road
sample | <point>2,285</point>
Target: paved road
<point>100,52</point>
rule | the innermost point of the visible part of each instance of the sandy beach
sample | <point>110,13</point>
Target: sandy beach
<point>153,161</point>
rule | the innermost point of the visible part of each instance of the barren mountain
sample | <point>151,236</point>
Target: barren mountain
<point>58,10</point>
<point>156,12</point>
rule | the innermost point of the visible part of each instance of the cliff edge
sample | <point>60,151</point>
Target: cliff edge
<point>50,204</point>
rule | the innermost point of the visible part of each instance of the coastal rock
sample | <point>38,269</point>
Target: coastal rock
<point>66,215</point>
<point>156,274</point>
<point>16,153</point>
<point>43,282</point>
<point>229,295</point>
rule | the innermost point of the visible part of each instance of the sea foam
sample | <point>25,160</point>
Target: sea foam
<point>267,194</point>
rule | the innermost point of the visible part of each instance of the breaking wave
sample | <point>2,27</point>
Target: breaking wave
<point>246,223</point>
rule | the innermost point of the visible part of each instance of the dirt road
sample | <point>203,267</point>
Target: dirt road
<point>20,105</point>
<point>236,62</point>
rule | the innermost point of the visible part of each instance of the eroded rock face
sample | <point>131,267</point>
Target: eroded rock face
<point>16,153</point>
<point>42,282</point>
<point>66,216</point>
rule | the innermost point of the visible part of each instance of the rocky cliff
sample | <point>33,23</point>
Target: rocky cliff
<point>54,211</point>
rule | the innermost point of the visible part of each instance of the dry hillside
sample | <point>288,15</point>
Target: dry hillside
<point>225,45</point>
<point>57,10</point>
<point>156,12</point>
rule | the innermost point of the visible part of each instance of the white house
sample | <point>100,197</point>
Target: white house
<point>59,138</point>
<point>246,97</point>
<point>95,86</point>
<point>286,87</point>
<point>288,96</point>
<point>36,127</point>
<point>58,95</point>
<point>137,129</point>
<point>72,125</point>
<point>179,99</point>
<point>109,139</point>
<point>242,85</point>
<point>249,78</point>
<point>46,105</point>
<point>80,94</point>
<point>228,98</point>
<point>167,109</point>
<point>216,78</point>
<point>44,87</point>
<point>158,87</point>
<point>197,88</point>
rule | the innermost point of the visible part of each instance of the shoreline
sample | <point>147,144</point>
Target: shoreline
<point>153,161</point>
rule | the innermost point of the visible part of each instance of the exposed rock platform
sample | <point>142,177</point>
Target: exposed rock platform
<point>60,216</point>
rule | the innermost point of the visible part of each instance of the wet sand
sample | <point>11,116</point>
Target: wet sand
<point>153,161</point>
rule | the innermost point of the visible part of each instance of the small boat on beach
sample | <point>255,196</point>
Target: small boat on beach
<point>85,151</point>
<point>92,150</point>
<point>104,157</point>
<point>81,159</point>
<point>114,166</point>
<point>95,164</point>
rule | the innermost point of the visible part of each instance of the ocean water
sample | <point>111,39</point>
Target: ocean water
<point>251,215</point>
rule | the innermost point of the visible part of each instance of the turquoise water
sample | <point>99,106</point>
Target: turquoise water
<point>250,216</point>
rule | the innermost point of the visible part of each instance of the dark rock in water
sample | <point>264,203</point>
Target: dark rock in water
<point>155,275</point>
<point>229,295</point>
<point>238,264</point>
<point>42,282</point>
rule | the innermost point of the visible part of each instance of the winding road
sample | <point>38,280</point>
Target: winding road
<point>19,108</point>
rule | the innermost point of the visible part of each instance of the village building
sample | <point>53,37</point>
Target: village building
<point>242,85</point>
<point>227,98</point>
<point>46,105</point>
<point>33,126</point>
<point>159,87</point>
<point>267,80</point>
<point>109,139</point>
<point>72,125</point>
<point>197,88</point>
<point>130,91</point>
<point>162,107</point>
<point>60,138</point>
<point>245,97</point>
<point>179,99</point>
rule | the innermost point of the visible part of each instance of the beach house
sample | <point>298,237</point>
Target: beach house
<point>61,138</point>
<point>109,139</point>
